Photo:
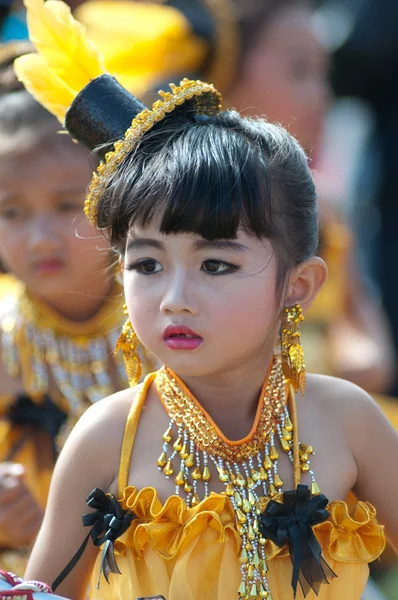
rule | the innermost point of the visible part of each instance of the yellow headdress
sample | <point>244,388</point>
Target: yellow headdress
<point>68,77</point>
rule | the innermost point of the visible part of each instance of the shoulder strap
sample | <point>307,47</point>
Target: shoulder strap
<point>296,455</point>
<point>130,431</point>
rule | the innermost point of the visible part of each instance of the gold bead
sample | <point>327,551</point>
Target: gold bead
<point>206,475</point>
<point>190,460</point>
<point>243,557</point>
<point>303,456</point>
<point>195,500</point>
<point>188,487</point>
<point>272,490</point>
<point>238,499</point>
<point>240,516</point>
<point>273,453</point>
<point>184,452</point>
<point>277,481</point>
<point>250,572</point>
<point>242,590</point>
<point>180,480</point>
<point>240,481</point>
<point>241,529</point>
<point>223,474</point>
<point>229,490</point>
<point>315,489</point>
<point>247,507</point>
<point>305,467</point>
<point>168,469</point>
<point>252,499</point>
<point>267,463</point>
<point>263,591</point>
<point>162,460</point>
<point>196,474</point>
<point>263,474</point>
<point>253,591</point>
<point>255,475</point>
<point>286,434</point>
<point>250,483</point>
<point>288,424</point>
<point>306,448</point>
<point>167,436</point>
<point>251,535</point>
<point>285,445</point>
<point>255,526</point>
<point>178,444</point>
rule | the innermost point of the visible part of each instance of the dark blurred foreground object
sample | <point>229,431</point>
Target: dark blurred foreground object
<point>366,65</point>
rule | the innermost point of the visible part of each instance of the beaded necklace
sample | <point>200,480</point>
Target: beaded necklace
<point>248,468</point>
<point>48,351</point>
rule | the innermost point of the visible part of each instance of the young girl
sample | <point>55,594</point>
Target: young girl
<point>227,487</point>
<point>266,58</point>
<point>60,307</point>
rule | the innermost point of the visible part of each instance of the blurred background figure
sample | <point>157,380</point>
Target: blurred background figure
<point>60,307</point>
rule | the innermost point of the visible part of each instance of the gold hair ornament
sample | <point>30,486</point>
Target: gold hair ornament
<point>206,101</point>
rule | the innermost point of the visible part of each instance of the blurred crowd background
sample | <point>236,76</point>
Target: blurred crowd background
<point>328,71</point>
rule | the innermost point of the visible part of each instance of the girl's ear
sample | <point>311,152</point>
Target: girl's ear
<point>306,279</point>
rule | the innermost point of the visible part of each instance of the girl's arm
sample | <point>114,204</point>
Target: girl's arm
<point>374,444</point>
<point>90,459</point>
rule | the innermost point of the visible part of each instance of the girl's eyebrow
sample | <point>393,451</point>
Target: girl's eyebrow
<point>221,245</point>
<point>135,243</point>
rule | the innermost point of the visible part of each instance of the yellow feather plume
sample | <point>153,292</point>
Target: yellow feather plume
<point>67,60</point>
<point>44,85</point>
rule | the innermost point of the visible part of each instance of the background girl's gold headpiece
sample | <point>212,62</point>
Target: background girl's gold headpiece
<point>68,77</point>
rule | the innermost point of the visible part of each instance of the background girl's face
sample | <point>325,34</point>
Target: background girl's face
<point>222,291</point>
<point>41,208</point>
<point>284,77</point>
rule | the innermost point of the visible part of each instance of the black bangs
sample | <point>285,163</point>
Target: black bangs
<point>192,177</point>
<point>212,176</point>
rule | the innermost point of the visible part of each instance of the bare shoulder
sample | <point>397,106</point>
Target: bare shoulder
<point>99,434</point>
<point>338,395</point>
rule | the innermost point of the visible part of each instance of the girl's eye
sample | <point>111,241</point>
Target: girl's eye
<point>218,267</point>
<point>12,213</point>
<point>146,266</point>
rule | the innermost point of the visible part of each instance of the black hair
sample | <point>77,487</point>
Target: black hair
<point>211,176</point>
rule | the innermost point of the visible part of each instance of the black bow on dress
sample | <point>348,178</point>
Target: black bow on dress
<point>291,523</point>
<point>108,522</point>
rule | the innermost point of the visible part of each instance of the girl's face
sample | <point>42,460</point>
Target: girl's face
<point>201,307</point>
<point>41,209</point>
<point>284,77</point>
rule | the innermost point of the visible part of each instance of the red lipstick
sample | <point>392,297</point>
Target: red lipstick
<point>48,266</point>
<point>179,337</point>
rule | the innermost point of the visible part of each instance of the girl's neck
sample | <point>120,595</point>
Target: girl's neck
<point>82,305</point>
<point>231,398</point>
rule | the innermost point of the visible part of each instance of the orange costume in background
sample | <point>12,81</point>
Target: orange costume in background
<point>58,368</point>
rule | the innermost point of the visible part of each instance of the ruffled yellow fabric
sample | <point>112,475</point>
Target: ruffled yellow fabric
<point>192,553</point>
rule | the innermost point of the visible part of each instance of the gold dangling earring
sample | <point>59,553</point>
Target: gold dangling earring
<point>292,352</point>
<point>127,343</point>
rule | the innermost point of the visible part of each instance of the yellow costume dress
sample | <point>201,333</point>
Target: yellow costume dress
<point>59,368</point>
<point>189,553</point>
